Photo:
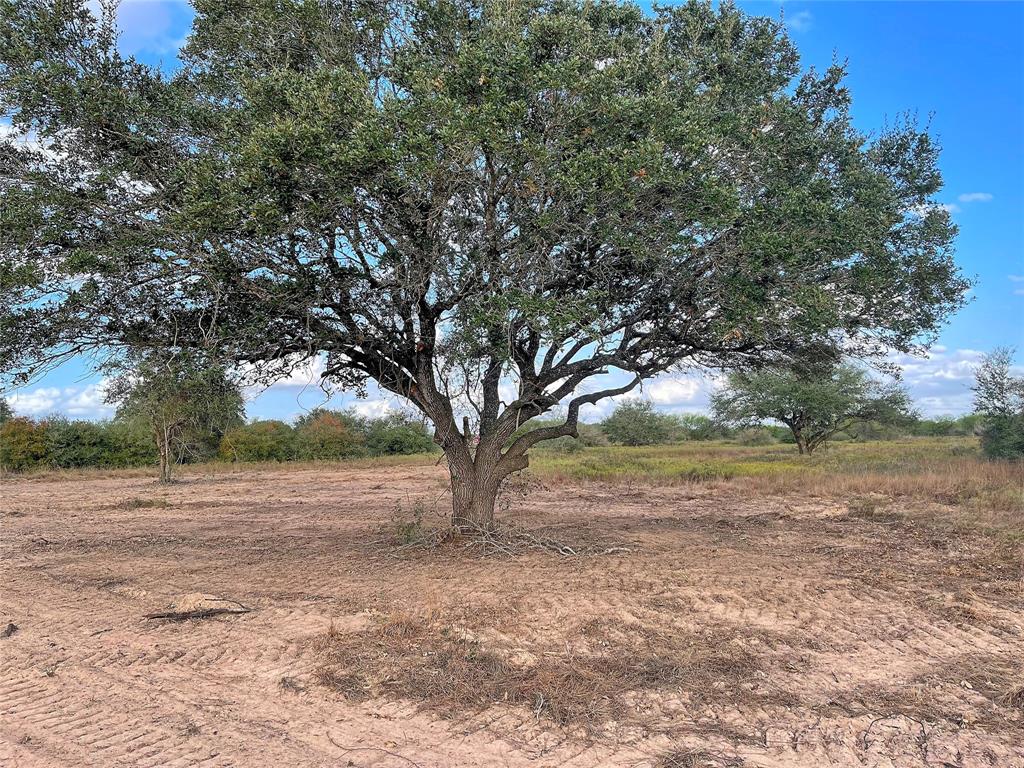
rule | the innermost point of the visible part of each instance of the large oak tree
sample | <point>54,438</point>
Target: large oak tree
<point>483,207</point>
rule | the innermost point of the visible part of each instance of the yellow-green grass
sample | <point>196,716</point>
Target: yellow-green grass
<point>225,468</point>
<point>947,471</point>
<point>950,472</point>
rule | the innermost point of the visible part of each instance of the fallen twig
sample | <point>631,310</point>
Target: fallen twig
<point>372,749</point>
<point>201,613</point>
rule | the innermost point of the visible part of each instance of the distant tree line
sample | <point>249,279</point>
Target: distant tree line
<point>182,411</point>
<point>327,435</point>
<point>127,440</point>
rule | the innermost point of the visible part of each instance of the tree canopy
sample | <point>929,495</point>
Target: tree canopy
<point>999,397</point>
<point>814,402</point>
<point>187,403</point>
<point>482,207</point>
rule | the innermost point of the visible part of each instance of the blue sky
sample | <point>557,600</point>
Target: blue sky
<point>961,63</point>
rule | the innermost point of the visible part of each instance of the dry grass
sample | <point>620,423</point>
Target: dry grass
<point>686,758</point>
<point>770,629</point>
<point>978,690</point>
<point>218,468</point>
<point>139,502</point>
<point>948,472</point>
<point>589,679</point>
<point>962,488</point>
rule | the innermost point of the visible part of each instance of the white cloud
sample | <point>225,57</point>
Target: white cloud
<point>373,408</point>
<point>90,402</point>
<point>308,374</point>
<point>81,402</point>
<point>940,382</point>
<point>149,26</point>
<point>673,391</point>
<point>800,21</point>
<point>36,402</point>
<point>975,197</point>
<point>305,375</point>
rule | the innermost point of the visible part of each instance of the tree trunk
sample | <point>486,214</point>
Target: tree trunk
<point>164,448</point>
<point>474,493</point>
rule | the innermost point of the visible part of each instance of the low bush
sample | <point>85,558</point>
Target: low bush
<point>74,444</point>
<point>637,423</point>
<point>328,435</point>
<point>23,444</point>
<point>129,444</point>
<point>1003,437</point>
<point>755,436</point>
<point>269,440</point>
<point>396,435</point>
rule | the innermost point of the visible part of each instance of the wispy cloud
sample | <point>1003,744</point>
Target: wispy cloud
<point>975,197</point>
<point>801,21</point>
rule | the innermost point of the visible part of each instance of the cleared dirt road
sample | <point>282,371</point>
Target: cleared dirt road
<point>792,633</point>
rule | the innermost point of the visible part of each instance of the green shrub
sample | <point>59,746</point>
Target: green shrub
<point>696,426</point>
<point>999,397</point>
<point>1003,437</point>
<point>73,444</point>
<point>560,445</point>
<point>635,422</point>
<point>781,434</point>
<point>259,441</point>
<point>23,444</point>
<point>397,434</point>
<point>130,443</point>
<point>328,435</point>
<point>755,436</point>
<point>592,436</point>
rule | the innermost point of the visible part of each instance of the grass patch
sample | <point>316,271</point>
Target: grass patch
<point>981,493</point>
<point>590,679</point>
<point>140,502</point>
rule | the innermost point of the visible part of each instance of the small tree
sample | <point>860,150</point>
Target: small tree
<point>999,397</point>
<point>635,422</point>
<point>815,403</point>
<point>6,413</point>
<point>187,403</point>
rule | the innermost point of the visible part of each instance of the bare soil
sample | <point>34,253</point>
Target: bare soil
<point>694,626</point>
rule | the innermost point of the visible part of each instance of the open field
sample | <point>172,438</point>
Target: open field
<point>863,608</point>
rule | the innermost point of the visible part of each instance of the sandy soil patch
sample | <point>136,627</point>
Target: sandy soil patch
<point>701,628</point>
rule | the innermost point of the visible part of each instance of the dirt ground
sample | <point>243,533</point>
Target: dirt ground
<point>694,627</point>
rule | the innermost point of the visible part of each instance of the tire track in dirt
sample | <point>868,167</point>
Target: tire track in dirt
<point>86,682</point>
